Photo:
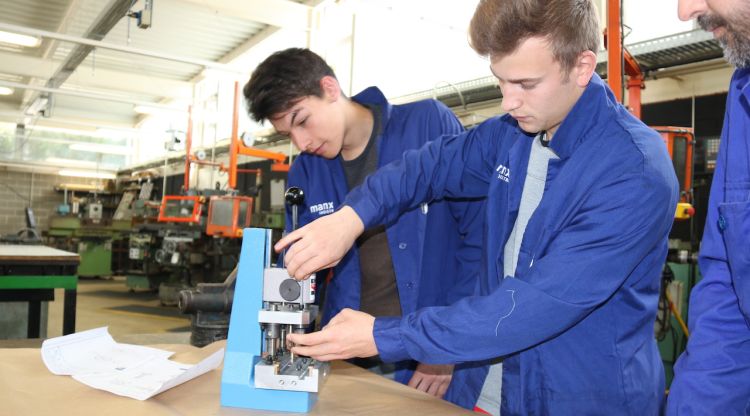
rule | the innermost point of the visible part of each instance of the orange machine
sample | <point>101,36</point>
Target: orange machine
<point>229,215</point>
<point>184,209</point>
<point>236,148</point>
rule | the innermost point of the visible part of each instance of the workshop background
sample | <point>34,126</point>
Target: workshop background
<point>123,140</point>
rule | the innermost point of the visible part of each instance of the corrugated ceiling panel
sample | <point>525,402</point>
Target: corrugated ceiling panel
<point>178,28</point>
<point>39,14</point>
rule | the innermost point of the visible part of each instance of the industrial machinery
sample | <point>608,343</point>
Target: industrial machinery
<point>260,372</point>
<point>88,226</point>
<point>195,238</point>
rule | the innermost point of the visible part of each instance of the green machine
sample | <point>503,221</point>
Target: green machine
<point>86,228</point>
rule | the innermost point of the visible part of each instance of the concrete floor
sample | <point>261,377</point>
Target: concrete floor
<point>110,303</point>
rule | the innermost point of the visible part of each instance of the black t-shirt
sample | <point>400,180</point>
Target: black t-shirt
<point>379,292</point>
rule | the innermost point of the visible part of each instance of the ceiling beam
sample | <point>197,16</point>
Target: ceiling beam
<point>106,20</point>
<point>89,95</point>
<point>279,13</point>
<point>111,46</point>
<point>73,7</point>
<point>17,64</point>
<point>98,30</point>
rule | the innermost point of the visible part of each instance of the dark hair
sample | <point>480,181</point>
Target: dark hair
<point>283,79</point>
<point>570,26</point>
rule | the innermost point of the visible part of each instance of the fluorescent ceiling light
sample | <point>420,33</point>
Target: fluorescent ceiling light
<point>6,91</point>
<point>71,162</point>
<point>87,174</point>
<point>101,148</point>
<point>21,40</point>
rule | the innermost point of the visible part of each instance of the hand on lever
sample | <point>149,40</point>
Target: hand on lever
<point>347,335</point>
<point>320,244</point>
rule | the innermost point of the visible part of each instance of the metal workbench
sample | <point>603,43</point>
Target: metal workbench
<point>31,274</point>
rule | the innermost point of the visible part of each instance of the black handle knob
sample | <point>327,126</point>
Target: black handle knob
<point>294,196</point>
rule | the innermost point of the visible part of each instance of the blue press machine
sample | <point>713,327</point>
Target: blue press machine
<point>245,340</point>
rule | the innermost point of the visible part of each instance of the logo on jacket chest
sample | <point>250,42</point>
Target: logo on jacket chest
<point>324,208</point>
<point>503,173</point>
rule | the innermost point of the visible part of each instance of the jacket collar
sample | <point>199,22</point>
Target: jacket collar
<point>373,96</point>
<point>584,115</point>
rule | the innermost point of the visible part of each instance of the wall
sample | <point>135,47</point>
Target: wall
<point>21,189</point>
<point>685,85</point>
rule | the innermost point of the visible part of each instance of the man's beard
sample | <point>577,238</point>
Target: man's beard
<point>735,41</point>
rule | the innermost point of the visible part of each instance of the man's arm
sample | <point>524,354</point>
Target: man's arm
<point>451,166</point>
<point>523,313</point>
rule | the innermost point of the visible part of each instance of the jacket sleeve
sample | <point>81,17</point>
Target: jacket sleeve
<point>455,166</point>
<point>468,215</point>
<point>576,270</point>
<point>712,376</point>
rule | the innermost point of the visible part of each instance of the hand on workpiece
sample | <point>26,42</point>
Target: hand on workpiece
<point>432,379</point>
<point>347,335</point>
<point>320,244</point>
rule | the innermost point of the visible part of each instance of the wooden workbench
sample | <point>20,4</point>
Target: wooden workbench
<point>31,273</point>
<point>28,388</point>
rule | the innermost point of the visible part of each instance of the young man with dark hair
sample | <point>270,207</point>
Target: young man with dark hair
<point>712,377</point>
<point>580,201</point>
<point>430,255</point>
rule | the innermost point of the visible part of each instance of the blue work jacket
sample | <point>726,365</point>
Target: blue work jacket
<point>712,377</point>
<point>575,323</point>
<point>435,247</point>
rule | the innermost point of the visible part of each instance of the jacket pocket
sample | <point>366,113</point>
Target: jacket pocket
<point>734,219</point>
<point>736,192</point>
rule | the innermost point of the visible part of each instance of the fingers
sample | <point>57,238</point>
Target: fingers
<point>317,352</point>
<point>313,338</point>
<point>432,379</point>
<point>304,263</point>
<point>317,345</point>
<point>415,380</point>
<point>320,244</point>
<point>304,258</point>
<point>287,240</point>
<point>443,388</point>
<point>434,386</point>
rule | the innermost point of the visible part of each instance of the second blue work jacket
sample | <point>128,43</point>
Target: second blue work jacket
<point>712,376</point>
<point>575,323</point>
<point>435,247</point>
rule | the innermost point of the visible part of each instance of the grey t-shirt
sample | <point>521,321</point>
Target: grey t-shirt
<point>379,292</point>
<point>531,196</point>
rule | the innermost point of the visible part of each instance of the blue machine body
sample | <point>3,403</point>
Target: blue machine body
<point>246,337</point>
